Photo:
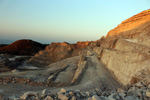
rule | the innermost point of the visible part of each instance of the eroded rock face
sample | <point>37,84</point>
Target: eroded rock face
<point>58,51</point>
<point>135,24</point>
<point>126,49</point>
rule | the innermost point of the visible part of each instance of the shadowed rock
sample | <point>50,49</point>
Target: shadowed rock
<point>22,47</point>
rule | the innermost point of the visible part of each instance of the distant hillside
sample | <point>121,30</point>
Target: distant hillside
<point>22,47</point>
<point>2,45</point>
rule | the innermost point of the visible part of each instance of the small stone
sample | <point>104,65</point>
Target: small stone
<point>12,98</point>
<point>44,92</point>
<point>30,93</point>
<point>139,85</point>
<point>148,86</point>
<point>73,98</point>
<point>148,94</point>
<point>48,98</point>
<point>71,93</point>
<point>83,95</point>
<point>88,94</point>
<point>62,97</point>
<point>119,90</point>
<point>122,95</point>
<point>89,99</point>
<point>63,90</point>
<point>77,90</point>
<point>95,97</point>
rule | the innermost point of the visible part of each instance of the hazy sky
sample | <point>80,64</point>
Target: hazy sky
<point>64,20</point>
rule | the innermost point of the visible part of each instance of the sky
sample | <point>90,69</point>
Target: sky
<point>49,21</point>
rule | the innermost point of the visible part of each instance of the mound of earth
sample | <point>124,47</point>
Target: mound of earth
<point>22,47</point>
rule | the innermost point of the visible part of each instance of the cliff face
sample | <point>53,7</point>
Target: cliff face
<point>126,49</point>
<point>132,26</point>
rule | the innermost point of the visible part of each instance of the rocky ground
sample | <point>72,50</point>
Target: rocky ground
<point>138,91</point>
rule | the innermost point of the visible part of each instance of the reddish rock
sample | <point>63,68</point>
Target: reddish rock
<point>136,23</point>
<point>58,51</point>
<point>22,47</point>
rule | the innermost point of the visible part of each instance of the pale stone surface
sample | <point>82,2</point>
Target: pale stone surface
<point>48,98</point>
<point>148,94</point>
<point>95,97</point>
<point>62,97</point>
<point>63,90</point>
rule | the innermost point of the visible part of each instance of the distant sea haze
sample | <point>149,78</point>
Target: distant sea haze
<point>3,41</point>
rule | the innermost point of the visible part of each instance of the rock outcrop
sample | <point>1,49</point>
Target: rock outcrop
<point>22,47</point>
<point>126,49</point>
<point>58,51</point>
<point>132,26</point>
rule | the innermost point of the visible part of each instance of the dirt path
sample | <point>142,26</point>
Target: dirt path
<point>95,76</point>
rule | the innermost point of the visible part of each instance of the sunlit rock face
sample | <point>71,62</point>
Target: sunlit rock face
<point>58,51</point>
<point>132,26</point>
<point>126,49</point>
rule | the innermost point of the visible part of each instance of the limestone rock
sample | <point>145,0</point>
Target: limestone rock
<point>48,98</point>
<point>95,97</point>
<point>148,94</point>
<point>63,90</point>
<point>62,97</point>
<point>28,95</point>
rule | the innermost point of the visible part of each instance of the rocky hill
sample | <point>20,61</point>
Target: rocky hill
<point>22,47</point>
<point>132,26</point>
<point>126,49</point>
<point>118,65</point>
<point>59,51</point>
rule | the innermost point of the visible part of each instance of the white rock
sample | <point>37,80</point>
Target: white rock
<point>148,86</point>
<point>48,98</point>
<point>30,93</point>
<point>88,93</point>
<point>139,85</point>
<point>95,97</point>
<point>62,97</point>
<point>44,92</point>
<point>63,90</point>
<point>120,90</point>
<point>148,94</point>
<point>73,98</point>
<point>15,70</point>
<point>77,90</point>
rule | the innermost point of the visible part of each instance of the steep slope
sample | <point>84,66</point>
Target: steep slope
<point>22,47</point>
<point>58,51</point>
<point>132,26</point>
<point>126,49</point>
